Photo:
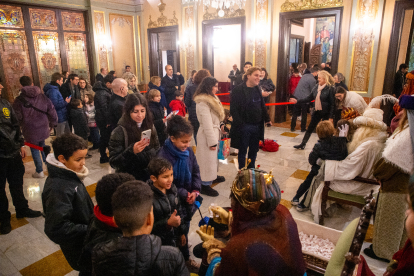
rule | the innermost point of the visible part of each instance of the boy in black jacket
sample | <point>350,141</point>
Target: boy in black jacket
<point>79,120</point>
<point>328,147</point>
<point>137,252</point>
<point>157,110</point>
<point>166,205</point>
<point>66,203</point>
<point>102,227</point>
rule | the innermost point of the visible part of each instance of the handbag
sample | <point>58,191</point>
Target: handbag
<point>224,148</point>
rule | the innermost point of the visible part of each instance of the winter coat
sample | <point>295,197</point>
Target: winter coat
<point>337,84</point>
<point>169,85</point>
<point>332,148</point>
<point>293,83</point>
<point>157,111</point>
<point>11,138</point>
<point>233,76</point>
<point>90,114</point>
<point>101,101</point>
<point>304,87</point>
<point>355,101</point>
<point>137,256</point>
<point>239,105</point>
<point>123,159</point>
<point>99,77</point>
<point>67,91</point>
<point>327,99</point>
<point>161,89</point>
<point>190,103</point>
<point>97,232</point>
<point>178,105</point>
<point>116,106</point>
<point>210,113</point>
<point>53,93</point>
<point>35,125</point>
<point>86,90</point>
<point>79,122</point>
<point>399,82</point>
<point>67,207</point>
<point>267,85</point>
<point>163,206</point>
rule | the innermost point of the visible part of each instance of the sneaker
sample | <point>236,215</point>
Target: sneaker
<point>28,213</point>
<point>294,201</point>
<point>104,160</point>
<point>219,179</point>
<point>5,227</point>
<point>38,175</point>
<point>193,266</point>
<point>301,208</point>
<point>208,191</point>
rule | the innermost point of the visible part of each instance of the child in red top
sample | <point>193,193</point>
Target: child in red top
<point>178,104</point>
<point>294,80</point>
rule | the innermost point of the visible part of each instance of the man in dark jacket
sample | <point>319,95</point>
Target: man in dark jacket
<point>52,92</point>
<point>118,98</point>
<point>100,76</point>
<point>37,116</point>
<point>399,80</point>
<point>239,78</point>
<point>303,90</point>
<point>80,122</point>
<point>70,89</point>
<point>137,252</point>
<point>171,82</point>
<point>234,74</point>
<point>102,227</point>
<point>103,95</point>
<point>11,167</point>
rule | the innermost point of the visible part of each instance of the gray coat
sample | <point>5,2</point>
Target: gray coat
<point>305,85</point>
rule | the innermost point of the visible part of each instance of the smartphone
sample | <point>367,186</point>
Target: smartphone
<point>70,96</point>
<point>146,135</point>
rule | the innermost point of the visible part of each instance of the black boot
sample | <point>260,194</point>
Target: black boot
<point>28,213</point>
<point>5,227</point>
<point>300,146</point>
<point>207,190</point>
<point>219,179</point>
<point>304,141</point>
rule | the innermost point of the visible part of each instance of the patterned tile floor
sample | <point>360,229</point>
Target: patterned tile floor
<point>27,250</point>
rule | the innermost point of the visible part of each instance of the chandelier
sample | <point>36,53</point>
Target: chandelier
<point>217,4</point>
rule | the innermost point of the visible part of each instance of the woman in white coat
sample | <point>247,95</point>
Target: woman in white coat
<point>349,99</point>
<point>210,113</point>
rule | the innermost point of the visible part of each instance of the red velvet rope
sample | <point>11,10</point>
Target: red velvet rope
<point>33,146</point>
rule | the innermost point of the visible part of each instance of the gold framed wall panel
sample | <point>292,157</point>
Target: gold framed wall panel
<point>77,55</point>
<point>43,19</point>
<point>11,17</point>
<point>100,31</point>
<point>141,67</point>
<point>15,59</point>
<point>189,44</point>
<point>73,21</point>
<point>122,37</point>
<point>261,33</point>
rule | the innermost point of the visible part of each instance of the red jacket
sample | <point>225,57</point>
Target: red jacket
<point>293,82</point>
<point>178,105</point>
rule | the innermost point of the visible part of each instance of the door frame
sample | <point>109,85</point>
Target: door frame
<point>395,41</point>
<point>151,47</point>
<point>207,44</point>
<point>283,55</point>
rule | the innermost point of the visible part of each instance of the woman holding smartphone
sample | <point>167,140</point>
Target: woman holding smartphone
<point>128,151</point>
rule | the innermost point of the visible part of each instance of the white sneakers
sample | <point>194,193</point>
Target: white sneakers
<point>38,175</point>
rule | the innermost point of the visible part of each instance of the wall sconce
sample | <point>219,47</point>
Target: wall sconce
<point>105,43</point>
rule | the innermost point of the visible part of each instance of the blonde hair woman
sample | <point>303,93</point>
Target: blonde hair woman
<point>324,95</point>
<point>131,79</point>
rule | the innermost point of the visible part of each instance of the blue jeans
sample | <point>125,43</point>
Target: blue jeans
<point>206,183</point>
<point>36,156</point>
<point>94,134</point>
<point>250,138</point>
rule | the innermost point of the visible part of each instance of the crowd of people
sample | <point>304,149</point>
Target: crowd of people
<point>141,221</point>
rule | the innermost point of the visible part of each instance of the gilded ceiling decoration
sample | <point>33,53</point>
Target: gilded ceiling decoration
<point>162,20</point>
<point>310,5</point>
<point>223,13</point>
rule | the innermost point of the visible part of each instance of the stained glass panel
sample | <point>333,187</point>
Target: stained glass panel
<point>47,55</point>
<point>73,21</point>
<point>15,58</point>
<point>43,19</point>
<point>77,54</point>
<point>11,17</point>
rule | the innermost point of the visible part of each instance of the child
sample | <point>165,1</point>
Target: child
<point>167,212</point>
<point>294,80</point>
<point>328,147</point>
<point>155,83</point>
<point>157,110</point>
<point>186,172</point>
<point>178,103</point>
<point>66,203</point>
<point>137,252</point>
<point>102,227</point>
<point>79,120</point>
<point>90,115</point>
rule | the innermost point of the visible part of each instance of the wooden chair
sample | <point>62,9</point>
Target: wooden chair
<point>354,200</point>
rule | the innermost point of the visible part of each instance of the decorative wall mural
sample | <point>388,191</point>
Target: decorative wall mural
<point>228,13</point>
<point>261,34</point>
<point>73,21</point>
<point>49,61</point>
<point>11,17</point>
<point>16,61</point>
<point>324,35</point>
<point>43,19</point>
<point>122,21</point>
<point>77,55</point>
<point>101,39</point>
<point>310,5</point>
<point>162,20</point>
<point>189,44</point>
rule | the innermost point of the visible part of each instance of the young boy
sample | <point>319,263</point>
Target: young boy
<point>102,227</point>
<point>79,120</point>
<point>178,103</point>
<point>66,203</point>
<point>186,173</point>
<point>328,147</point>
<point>157,110</point>
<point>167,212</point>
<point>137,252</point>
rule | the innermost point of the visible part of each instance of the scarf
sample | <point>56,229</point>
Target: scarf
<point>318,103</point>
<point>181,169</point>
<point>105,219</point>
<point>51,159</point>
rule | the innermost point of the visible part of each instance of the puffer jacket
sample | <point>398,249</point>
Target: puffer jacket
<point>79,122</point>
<point>332,148</point>
<point>190,103</point>
<point>101,101</point>
<point>157,111</point>
<point>11,139</point>
<point>327,99</point>
<point>137,256</point>
<point>53,93</point>
<point>163,206</point>
<point>35,125</point>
